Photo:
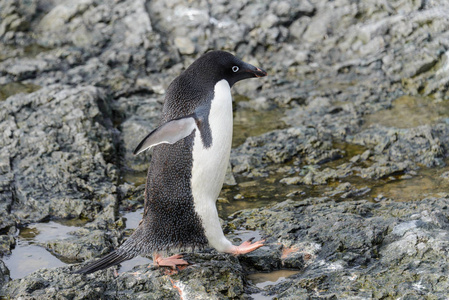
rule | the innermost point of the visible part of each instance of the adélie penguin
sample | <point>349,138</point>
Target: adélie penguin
<point>191,149</point>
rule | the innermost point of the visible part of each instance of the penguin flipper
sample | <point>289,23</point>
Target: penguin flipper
<point>113,258</point>
<point>168,133</point>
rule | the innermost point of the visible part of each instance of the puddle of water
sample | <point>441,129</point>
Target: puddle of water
<point>409,112</point>
<point>262,280</point>
<point>245,235</point>
<point>44,232</point>
<point>128,265</point>
<point>428,183</point>
<point>249,122</point>
<point>133,218</point>
<point>13,88</point>
<point>28,257</point>
<point>261,296</point>
<point>134,177</point>
<point>256,193</point>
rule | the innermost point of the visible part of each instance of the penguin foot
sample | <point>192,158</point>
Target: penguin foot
<point>246,247</point>
<point>172,261</point>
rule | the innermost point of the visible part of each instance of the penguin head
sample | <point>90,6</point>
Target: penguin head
<point>218,65</point>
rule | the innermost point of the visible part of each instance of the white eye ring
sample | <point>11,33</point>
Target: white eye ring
<point>235,68</point>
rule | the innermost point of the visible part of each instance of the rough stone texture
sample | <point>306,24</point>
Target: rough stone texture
<point>336,69</point>
<point>199,281</point>
<point>58,139</point>
<point>355,249</point>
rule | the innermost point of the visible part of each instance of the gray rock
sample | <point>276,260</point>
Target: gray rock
<point>60,140</point>
<point>4,273</point>
<point>359,246</point>
<point>422,144</point>
<point>139,116</point>
<point>281,146</point>
<point>184,45</point>
<point>140,282</point>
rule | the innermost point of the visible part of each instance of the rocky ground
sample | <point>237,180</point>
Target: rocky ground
<point>349,168</point>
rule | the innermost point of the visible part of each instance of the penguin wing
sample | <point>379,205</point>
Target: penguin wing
<point>168,133</point>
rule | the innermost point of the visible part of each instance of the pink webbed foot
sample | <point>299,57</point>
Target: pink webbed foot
<point>172,261</point>
<point>246,247</point>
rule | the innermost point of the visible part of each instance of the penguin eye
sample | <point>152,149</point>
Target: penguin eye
<point>235,69</point>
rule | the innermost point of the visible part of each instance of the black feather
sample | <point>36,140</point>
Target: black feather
<point>113,258</point>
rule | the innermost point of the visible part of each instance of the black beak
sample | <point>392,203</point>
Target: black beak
<point>257,72</point>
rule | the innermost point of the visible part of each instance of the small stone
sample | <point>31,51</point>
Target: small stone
<point>184,45</point>
<point>355,158</point>
<point>291,180</point>
<point>365,155</point>
<point>294,193</point>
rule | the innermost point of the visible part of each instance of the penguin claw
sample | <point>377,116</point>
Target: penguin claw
<point>172,261</point>
<point>246,247</point>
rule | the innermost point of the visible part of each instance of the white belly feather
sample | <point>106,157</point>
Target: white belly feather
<point>209,165</point>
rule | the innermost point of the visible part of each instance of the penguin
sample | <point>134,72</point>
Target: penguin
<point>191,149</point>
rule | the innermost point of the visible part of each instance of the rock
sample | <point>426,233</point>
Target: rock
<point>84,245</point>
<point>327,241</point>
<point>184,45</point>
<point>422,144</point>
<point>140,116</point>
<point>141,282</point>
<point>4,273</point>
<point>280,146</point>
<point>313,176</point>
<point>357,233</point>
<point>60,141</point>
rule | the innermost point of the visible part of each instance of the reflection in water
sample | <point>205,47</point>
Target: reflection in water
<point>133,218</point>
<point>28,257</point>
<point>44,232</point>
<point>255,193</point>
<point>128,265</point>
<point>262,280</point>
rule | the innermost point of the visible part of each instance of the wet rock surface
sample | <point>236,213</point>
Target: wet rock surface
<point>356,137</point>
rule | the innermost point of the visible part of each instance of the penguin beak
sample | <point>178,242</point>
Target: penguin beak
<point>260,73</point>
<point>257,72</point>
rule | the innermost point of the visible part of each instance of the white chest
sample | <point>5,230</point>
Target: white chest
<point>209,164</point>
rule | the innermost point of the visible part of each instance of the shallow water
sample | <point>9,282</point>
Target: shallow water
<point>249,122</point>
<point>133,218</point>
<point>263,280</point>
<point>27,256</point>
<point>427,183</point>
<point>410,111</point>
<point>12,88</point>
<point>254,193</point>
<point>128,265</point>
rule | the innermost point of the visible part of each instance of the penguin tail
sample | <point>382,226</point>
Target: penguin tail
<point>113,258</point>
